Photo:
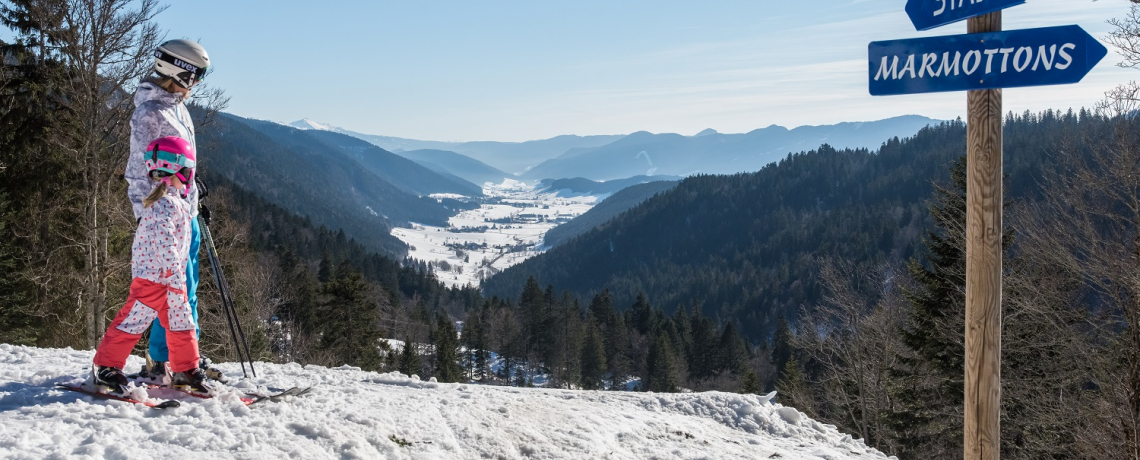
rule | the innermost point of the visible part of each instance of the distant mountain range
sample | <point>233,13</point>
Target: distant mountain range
<point>644,153</point>
<point>710,152</point>
<point>511,157</point>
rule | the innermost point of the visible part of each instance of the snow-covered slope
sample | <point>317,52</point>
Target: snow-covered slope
<point>306,123</point>
<point>356,414</point>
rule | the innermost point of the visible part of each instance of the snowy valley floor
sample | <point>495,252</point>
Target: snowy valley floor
<point>356,414</point>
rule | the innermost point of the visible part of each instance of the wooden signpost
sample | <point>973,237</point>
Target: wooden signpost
<point>981,62</point>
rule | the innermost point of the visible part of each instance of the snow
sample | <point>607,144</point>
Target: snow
<point>516,220</point>
<point>307,124</point>
<point>356,414</point>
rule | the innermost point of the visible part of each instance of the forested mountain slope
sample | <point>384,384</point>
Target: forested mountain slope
<point>456,164</point>
<point>299,172</point>
<point>745,246</point>
<point>400,171</point>
<point>608,209</point>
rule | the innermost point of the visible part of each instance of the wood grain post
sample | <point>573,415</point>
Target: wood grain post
<point>982,430</point>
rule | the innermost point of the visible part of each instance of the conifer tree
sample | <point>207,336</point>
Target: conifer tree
<point>16,325</point>
<point>593,357</point>
<point>662,374</point>
<point>781,345</point>
<point>617,351</point>
<point>447,368</point>
<point>794,388</point>
<point>350,320</point>
<point>731,350</point>
<point>931,413</point>
<point>703,358</point>
<point>409,359</point>
<point>641,316</point>
<point>751,384</point>
<point>531,311</point>
<point>684,329</point>
<point>475,338</point>
<point>325,270</point>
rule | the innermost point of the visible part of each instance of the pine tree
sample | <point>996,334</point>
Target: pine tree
<point>781,345</point>
<point>351,322</point>
<point>703,358</point>
<point>930,414</point>
<point>593,357</point>
<point>325,270</point>
<point>731,351</point>
<point>34,177</point>
<point>617,352</point>
<point>751,384</point>
<point>409,359</point>
<point>662,373</point>
<point>531,312</point>
<point>641,316</point>
<point>17,326</point>
<point>794,388</point>
<point>447,368</point>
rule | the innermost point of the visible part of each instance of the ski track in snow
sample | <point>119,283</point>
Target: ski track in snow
<point>356,414</point>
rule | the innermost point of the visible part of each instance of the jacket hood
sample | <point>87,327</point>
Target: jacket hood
<point>149,91</point>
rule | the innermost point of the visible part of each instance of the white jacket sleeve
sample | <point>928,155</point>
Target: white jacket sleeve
<point>145,127</point>
<point>147,124</point>
<point>168,253</point>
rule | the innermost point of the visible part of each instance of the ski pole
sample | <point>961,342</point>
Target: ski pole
<point>228,308</point>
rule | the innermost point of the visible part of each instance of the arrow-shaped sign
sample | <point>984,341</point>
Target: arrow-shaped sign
<point>1029,57</point>
<point>928,14</point>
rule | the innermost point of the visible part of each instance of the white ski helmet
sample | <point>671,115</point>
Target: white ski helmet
<point>183,60</point>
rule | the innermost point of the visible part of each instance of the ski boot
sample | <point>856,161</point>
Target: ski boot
<point>107,380</point>
<point>194,381</point>
<point>212,372</point>
<point>154,373</point>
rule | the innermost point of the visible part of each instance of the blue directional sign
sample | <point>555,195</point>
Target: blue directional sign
<point>928,14</point>
<point>1015,58</point>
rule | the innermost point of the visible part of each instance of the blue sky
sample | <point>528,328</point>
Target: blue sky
<point>521,70</point>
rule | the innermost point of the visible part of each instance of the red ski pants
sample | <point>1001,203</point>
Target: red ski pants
<point>147,301</point>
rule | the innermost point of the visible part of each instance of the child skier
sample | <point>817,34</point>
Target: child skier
<point>160,110</point>
<point>158,288</point>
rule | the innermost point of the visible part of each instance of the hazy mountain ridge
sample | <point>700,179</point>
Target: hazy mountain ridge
<point>583,186</point>
<point>709,152</point>
<point>608,157</point>
<point>511,157</point>
<point>455,164</point>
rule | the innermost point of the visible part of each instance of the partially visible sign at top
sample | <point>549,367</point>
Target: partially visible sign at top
<point>928,14</point>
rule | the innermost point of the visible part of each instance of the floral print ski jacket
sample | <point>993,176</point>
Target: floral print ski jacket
<point>162,242</point>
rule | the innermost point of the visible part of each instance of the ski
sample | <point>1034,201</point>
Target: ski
<point>161,404</point>
<point>249,399</point>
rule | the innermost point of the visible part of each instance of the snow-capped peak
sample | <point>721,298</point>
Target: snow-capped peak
<point>306,123</point>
